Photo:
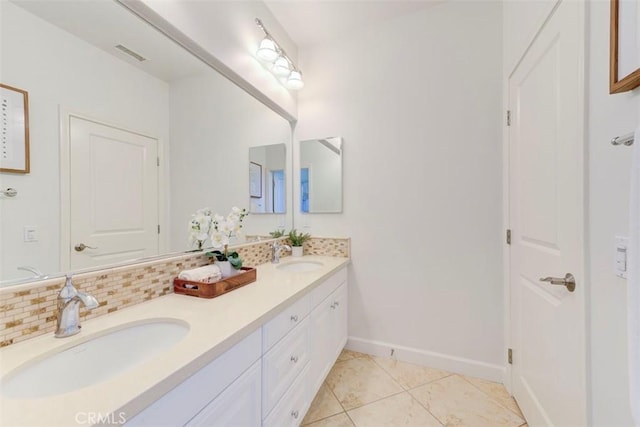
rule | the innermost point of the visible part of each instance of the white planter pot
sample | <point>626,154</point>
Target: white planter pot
<point>226,268</point>
<point>296,251</point>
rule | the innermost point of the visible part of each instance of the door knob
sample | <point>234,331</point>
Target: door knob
<point>568,280</point>
<point>81,247</point>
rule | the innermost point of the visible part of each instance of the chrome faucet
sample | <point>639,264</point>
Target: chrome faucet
<point>69,300</point>
<point>275,251</point>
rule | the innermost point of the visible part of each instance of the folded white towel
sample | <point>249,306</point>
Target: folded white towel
<point>207,274</point>
<point>633,283</point>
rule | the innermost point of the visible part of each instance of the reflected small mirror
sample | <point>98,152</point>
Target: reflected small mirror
<point>321,175</point>
<point>267,179</point>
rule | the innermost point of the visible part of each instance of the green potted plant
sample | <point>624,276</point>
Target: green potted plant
<point>276,233</point>
<point>297,240</point>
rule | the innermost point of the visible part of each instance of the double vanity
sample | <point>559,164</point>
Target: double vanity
<point>255,356</point>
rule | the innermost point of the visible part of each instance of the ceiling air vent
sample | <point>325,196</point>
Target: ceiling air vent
<point>131,53</point>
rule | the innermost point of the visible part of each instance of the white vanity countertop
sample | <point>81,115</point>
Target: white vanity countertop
<point>215,326</point>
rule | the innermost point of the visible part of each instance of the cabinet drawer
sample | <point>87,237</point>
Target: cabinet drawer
<point>282,364</point>
<point>328,286</point>
<point>278,327</point>
<point>293,406</point>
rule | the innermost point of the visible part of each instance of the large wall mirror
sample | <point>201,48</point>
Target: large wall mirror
<point>161,135</point>
<point>321,175</point>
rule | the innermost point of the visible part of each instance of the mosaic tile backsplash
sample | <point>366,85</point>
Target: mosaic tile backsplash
<point>29,310</point>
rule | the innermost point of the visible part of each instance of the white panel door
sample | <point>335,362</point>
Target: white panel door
<point>547,219</point>
<point>113,194</point>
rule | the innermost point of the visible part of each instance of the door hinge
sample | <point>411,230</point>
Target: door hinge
<point>510,356</point>
<point>508,237</point>
<point>158,228</point>
<point>508,117</point>
<point>158,160</point>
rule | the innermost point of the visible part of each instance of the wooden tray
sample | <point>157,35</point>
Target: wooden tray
<point>245,276</point>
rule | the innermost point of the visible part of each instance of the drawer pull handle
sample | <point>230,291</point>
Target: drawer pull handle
<point>294,359</point>
<point>294,318</point>
<point>333,306</point>
<point>336,303</point>
<point>295,414</point>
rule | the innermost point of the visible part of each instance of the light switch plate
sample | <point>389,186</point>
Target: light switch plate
<point>620,260</point>
<point>30,233</point>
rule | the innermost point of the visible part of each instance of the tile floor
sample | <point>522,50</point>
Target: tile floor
<point>370,391</point>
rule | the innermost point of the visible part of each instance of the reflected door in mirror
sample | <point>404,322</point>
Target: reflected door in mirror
<point>114,206</point>
<point>267,179</point>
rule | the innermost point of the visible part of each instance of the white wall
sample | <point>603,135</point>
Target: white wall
<point>209,154</point>
<point>58,69</point>
<point>226,30</point>
<point>609,176</point>
<point>418,102</point>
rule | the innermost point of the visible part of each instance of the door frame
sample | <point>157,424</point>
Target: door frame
<point>65,115</point>
<point>582,166</point>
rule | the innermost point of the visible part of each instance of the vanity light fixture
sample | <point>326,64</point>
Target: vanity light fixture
<point>276,59</point>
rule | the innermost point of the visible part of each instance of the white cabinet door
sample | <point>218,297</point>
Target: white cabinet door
<point>321,331</point>
<point>340,321</point>
<point>329,334</point>
<point>239,405</point>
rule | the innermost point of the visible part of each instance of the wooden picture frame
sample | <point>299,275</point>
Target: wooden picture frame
<point>623,50</point>
<point>14,130</point>
<point>255,180</point>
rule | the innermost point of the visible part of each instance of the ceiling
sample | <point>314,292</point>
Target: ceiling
<point>106,24</point>
<point>310,22</point>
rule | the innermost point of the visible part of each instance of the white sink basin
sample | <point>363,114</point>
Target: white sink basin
<point>300,266</point>
<point>100,358</point>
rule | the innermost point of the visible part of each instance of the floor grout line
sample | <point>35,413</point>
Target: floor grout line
<point>419,385</point>
<point>374,401</point>
<point>324,418</point>
<point>521,416</point>
<point>336,397</point>
<point>426,409</point>
<point>350,419</point>
<point>325,384</point>
<point>431,382</point>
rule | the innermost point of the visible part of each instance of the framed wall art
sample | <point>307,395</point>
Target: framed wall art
<point>14,129</point>
<point>624,58</point>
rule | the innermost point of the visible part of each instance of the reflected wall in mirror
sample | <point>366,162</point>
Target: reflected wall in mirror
<point>65,55</point>
<point>321,175</point>
<point>267,179</point>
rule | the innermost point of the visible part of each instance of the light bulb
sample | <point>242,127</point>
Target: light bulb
<point>281,67</point>
<point>294,82</point>
<point>267,50</point>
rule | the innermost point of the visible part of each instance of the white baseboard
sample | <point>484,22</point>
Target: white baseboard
<point>431,359</point>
